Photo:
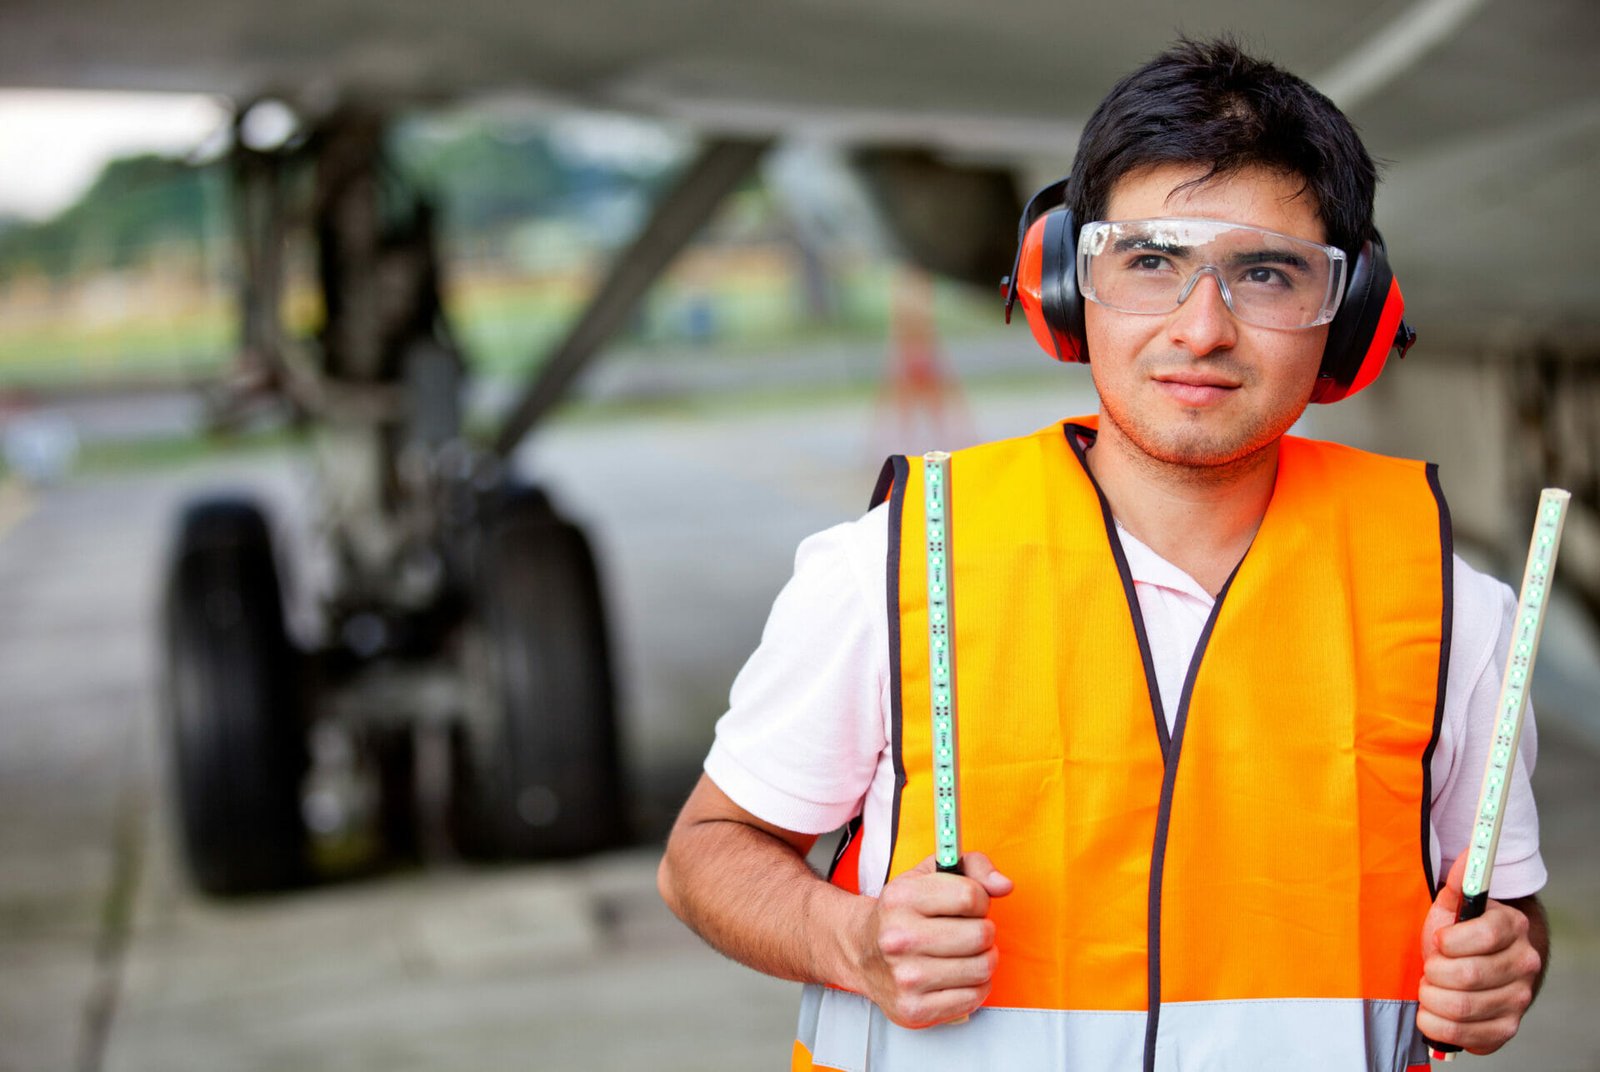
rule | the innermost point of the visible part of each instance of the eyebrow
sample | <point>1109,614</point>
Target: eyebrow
<point>1123,245</point>
<point>1271,256</point>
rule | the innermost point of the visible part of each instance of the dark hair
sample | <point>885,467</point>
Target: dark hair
<point>1207,103</point>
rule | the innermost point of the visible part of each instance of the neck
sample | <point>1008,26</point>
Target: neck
<point>1199,518</point>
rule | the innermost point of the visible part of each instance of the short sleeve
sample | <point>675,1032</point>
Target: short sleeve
<point>804,729</point>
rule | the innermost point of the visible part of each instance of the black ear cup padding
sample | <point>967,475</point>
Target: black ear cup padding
<point>1351,333</point>
<point>1059,299</point>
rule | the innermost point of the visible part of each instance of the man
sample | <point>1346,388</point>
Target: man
<point>1224,695</point>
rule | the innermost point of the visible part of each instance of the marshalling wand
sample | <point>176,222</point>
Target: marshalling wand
<point>942,662</point>
<point>1527,627</point>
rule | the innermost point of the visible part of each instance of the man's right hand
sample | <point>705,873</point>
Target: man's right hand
<point>929,951</point>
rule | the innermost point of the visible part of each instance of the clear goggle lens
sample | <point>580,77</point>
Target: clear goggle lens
<point>1267,279</point>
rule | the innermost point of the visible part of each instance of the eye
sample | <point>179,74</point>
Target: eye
<point>1148,262</point>
<point>1263,276</point>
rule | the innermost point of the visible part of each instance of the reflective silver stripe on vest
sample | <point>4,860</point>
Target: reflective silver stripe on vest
<point>845,1031</point>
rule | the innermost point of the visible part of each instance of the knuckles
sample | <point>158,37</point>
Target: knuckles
<point>927,1010</point>
<point>970,900</point>
<point>1443,1030</point>
<point>1532,965</point>
<point>991,962</point>
<point>928,895</point>
<point>920,1012</point>
<point>896,895</point>
<point>1451,1007</point>
<point>1491,1036</point>
<point>1456,1006</point>
<point>895,940</point>
<point>908,978</point>
<point>909,1014</point>
<point>1506,927</point>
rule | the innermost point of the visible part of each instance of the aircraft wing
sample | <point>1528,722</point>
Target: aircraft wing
<point>1487,111</point>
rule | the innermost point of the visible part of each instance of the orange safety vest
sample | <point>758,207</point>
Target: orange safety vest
<point>1244,893</point>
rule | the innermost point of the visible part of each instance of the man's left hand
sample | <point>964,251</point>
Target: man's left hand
<point>1480,975</point>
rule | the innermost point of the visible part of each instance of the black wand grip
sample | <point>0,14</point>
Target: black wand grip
<point>1471,908</point>
<point>952,869</point>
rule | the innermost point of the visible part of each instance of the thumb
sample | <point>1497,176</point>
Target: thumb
<point>1450,893</point>
<point>979,868</point>
<point>1446,906</point>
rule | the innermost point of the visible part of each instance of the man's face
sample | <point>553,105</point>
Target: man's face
<point>1197,387</point>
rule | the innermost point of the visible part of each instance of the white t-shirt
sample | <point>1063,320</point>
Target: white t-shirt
<point>805,744</point>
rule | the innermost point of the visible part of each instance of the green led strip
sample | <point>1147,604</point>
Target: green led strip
<point>941,660</point>
<point>1525,635</point>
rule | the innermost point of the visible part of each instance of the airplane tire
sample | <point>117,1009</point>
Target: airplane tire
<point>541,776</point>
<point>233,703</point>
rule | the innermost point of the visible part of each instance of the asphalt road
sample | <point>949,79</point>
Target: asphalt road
<point>108,961</point>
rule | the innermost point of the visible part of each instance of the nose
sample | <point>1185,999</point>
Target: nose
<point>1203,323</point>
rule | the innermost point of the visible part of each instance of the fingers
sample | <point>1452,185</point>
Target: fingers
<point>1450,893</point>
<point>1499,929</point>
<point>975,866</point>
<point>1519,964</point>
<point>927,975</point>
<point>923,990</point>
<point>927,893</point>
<point>1458,872</point>
<point>902,934</point>
<point>1445,908</point>
<point>935,1007</point>
<point>979,868</point>
<point>1477,1023</point>
<point>1475,1006</point>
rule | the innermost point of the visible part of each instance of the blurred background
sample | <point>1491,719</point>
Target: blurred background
<point>407,416</point>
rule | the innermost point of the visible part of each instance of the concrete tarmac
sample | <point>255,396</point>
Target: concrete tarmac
<point>108,961</point>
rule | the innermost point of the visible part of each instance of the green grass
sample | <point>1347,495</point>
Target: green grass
<point>505,325</point>
<point>167,452</point>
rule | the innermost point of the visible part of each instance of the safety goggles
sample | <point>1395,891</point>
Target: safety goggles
<point>1267,279</point>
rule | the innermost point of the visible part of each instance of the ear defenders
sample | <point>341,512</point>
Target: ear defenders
<point>1044,278</point>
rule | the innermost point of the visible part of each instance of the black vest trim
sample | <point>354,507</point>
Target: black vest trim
<point>1447,573</point>
<point>1073,432</point>
<point>895,470</point>
<point>1158,851</point>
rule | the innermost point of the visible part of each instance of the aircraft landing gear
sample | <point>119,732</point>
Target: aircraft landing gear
<point>519,679</point>
<point>458,667</point>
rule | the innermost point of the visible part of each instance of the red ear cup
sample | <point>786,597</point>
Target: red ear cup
<point>1369,324</point>
<point>1047,286</point>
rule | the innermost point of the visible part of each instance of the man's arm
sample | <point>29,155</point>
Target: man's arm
<point>1479,976</point>
<point>923,950</point>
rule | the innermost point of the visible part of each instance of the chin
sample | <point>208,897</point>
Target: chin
<point>1191,443</point>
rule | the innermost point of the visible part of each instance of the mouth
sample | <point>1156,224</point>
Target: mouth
<point>1195,388</point>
